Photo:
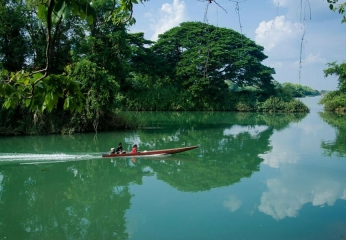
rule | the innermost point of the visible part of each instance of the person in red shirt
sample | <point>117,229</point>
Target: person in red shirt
<point>134,149</point>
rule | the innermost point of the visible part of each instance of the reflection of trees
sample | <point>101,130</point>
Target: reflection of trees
<point>187,120</point>
<point>80,200</point>
<point>223,163</point>
<point>222,159</point>
<point>88,199</point>
<point>156,130</point>
<point>160,129</point>
<point>338,147</point>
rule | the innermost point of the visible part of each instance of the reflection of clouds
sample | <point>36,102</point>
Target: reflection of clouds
<point>133,139</point>
<point>310,129</point>
<point>232,203</point>
<point>279,155</point>
<point>253,130</point>
<point>286,196</point>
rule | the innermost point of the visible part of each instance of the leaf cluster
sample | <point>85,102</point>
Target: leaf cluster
<point>24,88</point>
<point>335,6</point>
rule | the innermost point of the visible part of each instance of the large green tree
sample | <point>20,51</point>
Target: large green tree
<point>200,57</point>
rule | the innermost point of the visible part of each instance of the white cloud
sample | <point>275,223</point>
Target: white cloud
<point>313,58</point>
<point>232,203</point>
<point>278,34</point>
<point>170,15</point>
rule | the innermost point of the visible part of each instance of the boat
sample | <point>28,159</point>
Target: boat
<point>150,152</point>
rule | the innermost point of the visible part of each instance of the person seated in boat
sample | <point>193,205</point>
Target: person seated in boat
<point>112,150</point>
<point>120,149</point>
<point>134,149</point>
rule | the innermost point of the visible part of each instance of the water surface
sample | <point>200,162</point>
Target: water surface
<point>254,176</point>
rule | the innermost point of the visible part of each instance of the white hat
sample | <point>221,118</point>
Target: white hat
<point>112,148</point>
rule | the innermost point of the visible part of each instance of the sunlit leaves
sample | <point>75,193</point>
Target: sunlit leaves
<point>121,13</point>
<point>65,8</point>
<point>21,88</point>
<point>42,12</point>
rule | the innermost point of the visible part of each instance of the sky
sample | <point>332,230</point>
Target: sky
<point>299,36</point>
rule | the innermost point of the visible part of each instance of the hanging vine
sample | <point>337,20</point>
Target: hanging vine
<point>303,20</point>
<point>237,9</point>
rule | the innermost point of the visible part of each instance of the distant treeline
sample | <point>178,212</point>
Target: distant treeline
<point>299,91</point>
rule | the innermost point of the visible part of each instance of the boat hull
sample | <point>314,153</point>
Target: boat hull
<point>152,152</point>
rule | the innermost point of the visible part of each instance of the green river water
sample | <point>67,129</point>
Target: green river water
<point>254,176</point>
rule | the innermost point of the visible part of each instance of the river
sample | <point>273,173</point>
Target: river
<point>254,176</point>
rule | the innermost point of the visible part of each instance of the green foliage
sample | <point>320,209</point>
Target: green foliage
<point>334,101</point>
<point>62,9</point>
<point>199,58</point>
<point>99,68</point>
<point>338,7</point>
<point>340,71</point>
<point>22,88</point>
<point>143,61</point>
<point>13,41</point>
<point>52,13</point>
<point>100,89</point>
<point>298,91</point>
<point>275,104</point>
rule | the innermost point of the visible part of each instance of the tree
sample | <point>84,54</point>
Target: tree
<point>199,58</point>
<point>13,42</point>
<point>297,90</point>
<point>338,70</point>
<point>22,87</point>
<point>336,100</point>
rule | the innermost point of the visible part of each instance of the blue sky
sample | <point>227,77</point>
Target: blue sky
<point>277,25</point>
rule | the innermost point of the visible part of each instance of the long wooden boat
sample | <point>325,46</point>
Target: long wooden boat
<point>151,152</point>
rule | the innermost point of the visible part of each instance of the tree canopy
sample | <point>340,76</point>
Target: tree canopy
<point>202,57</point>
<point>48,25</point>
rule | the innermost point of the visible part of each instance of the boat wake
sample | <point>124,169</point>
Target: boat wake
<point>32,158</point>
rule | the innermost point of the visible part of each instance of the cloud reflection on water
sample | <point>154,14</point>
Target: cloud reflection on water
<point>299,185</point>
<point>233,203</point>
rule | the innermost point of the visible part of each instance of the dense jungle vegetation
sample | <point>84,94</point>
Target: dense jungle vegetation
<point>67,66</point>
